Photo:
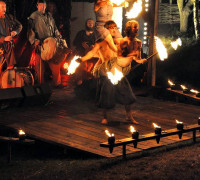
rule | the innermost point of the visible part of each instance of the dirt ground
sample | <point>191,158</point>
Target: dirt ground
<point>43,161</point>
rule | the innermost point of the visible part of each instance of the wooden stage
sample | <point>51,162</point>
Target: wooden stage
<point>71,122</point>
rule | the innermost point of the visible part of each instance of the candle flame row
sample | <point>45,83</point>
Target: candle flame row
<point>132,129</point>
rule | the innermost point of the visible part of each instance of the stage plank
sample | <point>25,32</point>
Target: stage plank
<point>70,122</point>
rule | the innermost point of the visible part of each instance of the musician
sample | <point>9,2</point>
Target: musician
<point>9,28</point>
<point>84,42</point>
<point>42,26</point>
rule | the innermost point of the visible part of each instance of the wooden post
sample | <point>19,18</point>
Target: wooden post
<point>124,151</point>
<point>153,23</point>
<point>194,135</point>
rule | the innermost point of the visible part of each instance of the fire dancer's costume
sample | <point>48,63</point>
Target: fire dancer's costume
<point>43,26</point>
<point>7,25</point>
<point>104,14</point>
<point>107,93</point>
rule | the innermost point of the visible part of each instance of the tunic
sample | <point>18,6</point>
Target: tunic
<point>7,25</point>
<point>103,14</point>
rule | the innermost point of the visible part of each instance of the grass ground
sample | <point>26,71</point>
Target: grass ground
<point>43,161</point>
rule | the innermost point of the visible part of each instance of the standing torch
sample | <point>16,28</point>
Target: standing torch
<point>158,132</point>
<point>185,89</point>
<point>135,135</point>
<point>111,140</point>
<point>22,135</point>
<point>195,92</point>
<point>199,121</point>
<point>179,126</point>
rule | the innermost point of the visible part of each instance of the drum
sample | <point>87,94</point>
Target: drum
<point>16,77</point>
<point>52,50</point>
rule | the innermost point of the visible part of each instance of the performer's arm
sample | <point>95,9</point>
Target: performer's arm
<point>91,53</point>
<point>16,25</point>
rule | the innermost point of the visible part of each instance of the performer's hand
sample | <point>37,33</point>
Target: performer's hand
<point>79,60</point>
<point>8,38</point>
<point>68,51</point>
<point>143,61</point>
<point>13,33</point>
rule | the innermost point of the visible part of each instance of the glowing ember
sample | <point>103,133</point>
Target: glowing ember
<point>108,133</point>
<point>176,43</point>
<point>183,87</point>
<point>118,75</point>
<point>162,51</point>
<point>135,11</point>
<point>132,129</point>
<point>171,83</point>
<point>179,122</point>
<point>155,125</point>
<point>117,2</point>
<point>73,65</point>
<point>21,132</point>
<point>65,65</point>
<point>194,91</point>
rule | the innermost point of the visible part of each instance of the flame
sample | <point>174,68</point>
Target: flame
<point>155,125</point>
<point>21,132</point>
<point>194,91</point>
<point>132,129</point>
<point>176,43</point>
<point>73,66</point>
<point>135,11</point>
<point>183,87</point>
<point>108,134</point>
<point>170,83</point>
<point>179,122</point>
<point>117,2</point>
<point>65,65</point>
<point>118,75</point>
<point>162,51</point>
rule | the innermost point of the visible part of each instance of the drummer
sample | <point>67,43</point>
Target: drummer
<point>7,33</point>
<point>42,26</point>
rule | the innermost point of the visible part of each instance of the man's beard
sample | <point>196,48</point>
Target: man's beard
<point>89,28</point>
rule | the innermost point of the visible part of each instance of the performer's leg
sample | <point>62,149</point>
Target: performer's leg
<point>10,58</point>
<point>105,117</point>
<point>129,115</point>
<point>55,69</point>
<point>37,67</point>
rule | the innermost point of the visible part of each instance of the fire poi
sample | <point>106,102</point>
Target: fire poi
<point>116,77</point>
<point>135,10</point>
<point>73,65</point>
<point>176,43</point>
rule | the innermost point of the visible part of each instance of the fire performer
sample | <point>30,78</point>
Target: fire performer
<point>104,11</point>
<point>42,26</point>
<point>107,93</point>
<point>9,28</point>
